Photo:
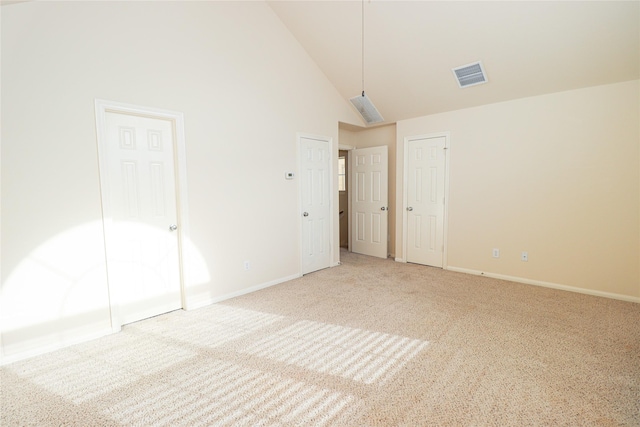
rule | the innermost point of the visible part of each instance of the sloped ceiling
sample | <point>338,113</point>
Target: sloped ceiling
<point>527,48</point>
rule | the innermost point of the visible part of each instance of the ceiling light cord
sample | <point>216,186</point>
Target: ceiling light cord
<point>363,104</point>
<point>362,47</point>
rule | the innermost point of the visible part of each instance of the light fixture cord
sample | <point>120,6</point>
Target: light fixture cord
<point>362,47</point>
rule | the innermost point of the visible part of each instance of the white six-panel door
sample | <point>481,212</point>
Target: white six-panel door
<point>369,201</point>
<point>425,200</point>
<point>140,232</point>
<point>315,196</point>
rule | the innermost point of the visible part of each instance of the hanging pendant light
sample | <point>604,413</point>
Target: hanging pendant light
<point>362,102</point>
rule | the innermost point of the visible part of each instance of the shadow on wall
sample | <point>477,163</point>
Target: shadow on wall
<point>58,294</point>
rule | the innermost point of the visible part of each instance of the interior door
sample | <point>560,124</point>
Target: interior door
<point>315,187</point>
<point>141,237</point>
<point>369,203</point>
<point>425,200</point>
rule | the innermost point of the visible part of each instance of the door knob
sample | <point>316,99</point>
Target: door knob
<point>409,208</point>
<point>383,208</point>
<point>173,227</point>
<point>305,214</point>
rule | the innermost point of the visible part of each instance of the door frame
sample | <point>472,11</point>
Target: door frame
<point>405,179</point>
<point>102,107</point>
<point>348,149</point>
<point>333,158</point>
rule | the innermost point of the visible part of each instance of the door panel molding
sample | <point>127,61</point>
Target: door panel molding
<point>369,195</point>
<point>317,227</point>
<point>405,195</point>
<point>102,108</point>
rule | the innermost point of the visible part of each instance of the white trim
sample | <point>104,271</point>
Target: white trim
<point>348,148</point>
<point>332,178</point>
<point>350,188</point>
<point>400,260</point>
<point>445,225</point>
<point>299,205</point>
<point>182,206</point>
<point>546,284</point>
<point>405,180</point>
<point>447,169</point>
<point>209,301</point>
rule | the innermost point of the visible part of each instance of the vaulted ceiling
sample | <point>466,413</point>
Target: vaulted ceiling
<point>527,48</point>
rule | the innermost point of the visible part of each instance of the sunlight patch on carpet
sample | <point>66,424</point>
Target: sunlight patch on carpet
<point>209,327</point>
<point>224,393</point>
<point>85,381</point>
<point>355,354</point>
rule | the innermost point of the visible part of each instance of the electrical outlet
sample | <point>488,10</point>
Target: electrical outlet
<point>247,266</point>
<point>496,253</point>
<point>524,256</point>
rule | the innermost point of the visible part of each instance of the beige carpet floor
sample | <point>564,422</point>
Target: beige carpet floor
<point>369,343</point>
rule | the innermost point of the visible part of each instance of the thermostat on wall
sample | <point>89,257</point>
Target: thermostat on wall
<point>289,175</point>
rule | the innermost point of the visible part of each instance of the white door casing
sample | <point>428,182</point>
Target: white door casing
<point>315,202</point>
<point>349,149</point>
<point>424,199</point>
<point>143,232</point>
<point>369,201</point>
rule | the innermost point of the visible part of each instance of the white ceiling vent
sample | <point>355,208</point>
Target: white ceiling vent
<point>470,74</point>
<point>366,109</point>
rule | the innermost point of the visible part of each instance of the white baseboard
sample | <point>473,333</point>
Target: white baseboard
<point>53,346</point>
<point>546,284</point>
<point>400,260</point>
<point>192,305</point>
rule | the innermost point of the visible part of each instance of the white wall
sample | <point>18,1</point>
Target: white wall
<point>555,175</point>
<point>245,87</point>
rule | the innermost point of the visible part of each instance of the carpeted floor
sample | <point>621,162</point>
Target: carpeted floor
<point>370,343</point>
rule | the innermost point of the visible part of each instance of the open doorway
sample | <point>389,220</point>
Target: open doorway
<point>352,139</point>
<point>343,190</point>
